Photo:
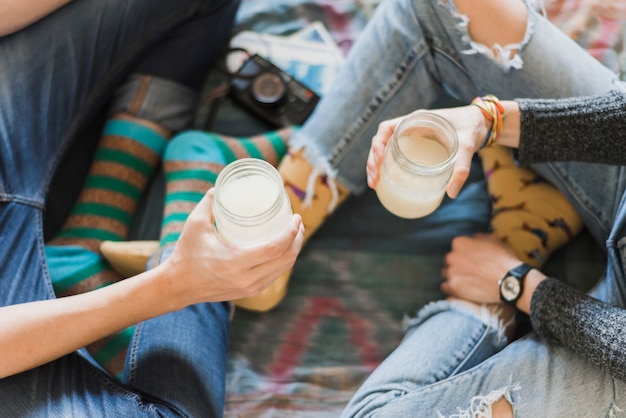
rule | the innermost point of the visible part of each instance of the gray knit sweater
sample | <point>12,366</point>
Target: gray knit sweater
<point>591,129</point>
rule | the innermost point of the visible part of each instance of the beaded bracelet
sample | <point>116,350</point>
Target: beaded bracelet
<point>494,112</point>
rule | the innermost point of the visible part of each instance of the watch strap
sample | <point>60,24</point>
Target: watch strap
<point>519,273</point>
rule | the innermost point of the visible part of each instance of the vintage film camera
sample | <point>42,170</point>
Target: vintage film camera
<point>271,93</point>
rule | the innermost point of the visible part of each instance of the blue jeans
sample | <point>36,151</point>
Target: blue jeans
<point>148,58</point>
<point>410,54</point>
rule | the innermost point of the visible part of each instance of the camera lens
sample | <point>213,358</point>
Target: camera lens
<point>268,88</point>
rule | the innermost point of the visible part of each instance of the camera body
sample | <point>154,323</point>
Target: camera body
<point>271,93</point>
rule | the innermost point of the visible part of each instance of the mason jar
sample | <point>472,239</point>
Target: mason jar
<point>417,165</point>
<point>250,204</point>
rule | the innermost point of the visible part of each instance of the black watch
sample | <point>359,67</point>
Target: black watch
<point>512,284</point>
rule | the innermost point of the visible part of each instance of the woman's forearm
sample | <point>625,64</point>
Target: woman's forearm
<point>588,326</point>
<point>17,14</point>
<point>38,332</point>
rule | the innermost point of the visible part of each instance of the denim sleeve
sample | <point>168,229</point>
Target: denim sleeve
<point>592,328</point>
<point>584,129</point>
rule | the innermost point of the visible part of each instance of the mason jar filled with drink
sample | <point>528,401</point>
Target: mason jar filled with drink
<point>417,165</point>
<point>250,204</point>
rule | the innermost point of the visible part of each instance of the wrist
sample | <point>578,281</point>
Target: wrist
<point>165,287</point>
<point>532,280</point>
<point>501,121</point>
<point>510,133</point>
<point>493,111</point>
<point>482,127</point>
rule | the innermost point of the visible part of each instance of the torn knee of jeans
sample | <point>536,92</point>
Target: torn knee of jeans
<point>506,56</point>
<point>487,316</point>
<point>497,403</point>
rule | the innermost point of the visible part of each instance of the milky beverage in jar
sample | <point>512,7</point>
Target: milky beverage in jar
<point>417,165</point>
<point>250,204</point>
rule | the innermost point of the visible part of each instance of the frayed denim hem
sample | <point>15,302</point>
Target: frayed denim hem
<point>319,161</point>
<point>487,317</point>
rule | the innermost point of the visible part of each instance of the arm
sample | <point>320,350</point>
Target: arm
<point>38,332</point>
<point>17,14</point>
<point>585,129</point>
<point>559,313</point>
<point>202,268</point>
<point>591,129</point>
<point>592,328</point>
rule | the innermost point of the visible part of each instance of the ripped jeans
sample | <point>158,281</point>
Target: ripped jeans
<point>451,362</point>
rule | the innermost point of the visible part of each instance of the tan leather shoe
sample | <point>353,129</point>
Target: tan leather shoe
<point>129,258</point>
<point>269,298</point>
<point>314,197</point>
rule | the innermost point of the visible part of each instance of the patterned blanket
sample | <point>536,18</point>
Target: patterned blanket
<point>356,278</point>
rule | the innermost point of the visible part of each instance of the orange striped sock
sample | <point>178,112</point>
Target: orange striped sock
<point>192,162</point>
<point>127,155</point>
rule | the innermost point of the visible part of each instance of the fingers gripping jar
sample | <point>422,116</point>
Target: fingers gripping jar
<point>250,204</point>
<point>417,165</point>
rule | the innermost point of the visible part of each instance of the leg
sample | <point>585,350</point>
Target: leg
<point>429,49</point>
<point>144,112</point>
<point>170,376</point>
<point>598,193</point>
<point>531,215</point>
<point>463,375</point>
<point>192,164</point>
<point>464,341</point>
<point>69,99</point>
<point>180,359</point>
<point>43,109</point>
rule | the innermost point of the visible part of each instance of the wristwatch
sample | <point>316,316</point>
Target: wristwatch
<point>512,284</point>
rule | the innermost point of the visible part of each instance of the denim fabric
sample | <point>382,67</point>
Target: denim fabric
<point>410,54</point>
<point>56,76</point>
<point>450,365</point>
<point>452,362</point>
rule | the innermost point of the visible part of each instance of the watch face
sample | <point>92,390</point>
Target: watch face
<point>510,288</point>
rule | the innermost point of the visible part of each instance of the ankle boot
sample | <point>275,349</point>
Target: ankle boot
<point>314,196</point>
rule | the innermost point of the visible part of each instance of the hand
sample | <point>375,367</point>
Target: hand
<point>474,266</point>
<point>205,268</point>
<point>471,127</point>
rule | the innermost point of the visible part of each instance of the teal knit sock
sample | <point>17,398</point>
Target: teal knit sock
<point>127,155</point>
<point>192,162</point>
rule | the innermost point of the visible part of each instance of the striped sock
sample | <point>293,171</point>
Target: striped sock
<point>192,162</point>
<point>125,160</point>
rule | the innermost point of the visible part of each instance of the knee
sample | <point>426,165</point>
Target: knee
<point>501,409</point>
<point>495,23</point>
<point>194,146</point>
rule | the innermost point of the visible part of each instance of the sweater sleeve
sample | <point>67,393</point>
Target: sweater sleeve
<point>592,328</point>
<point>585,129</point>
